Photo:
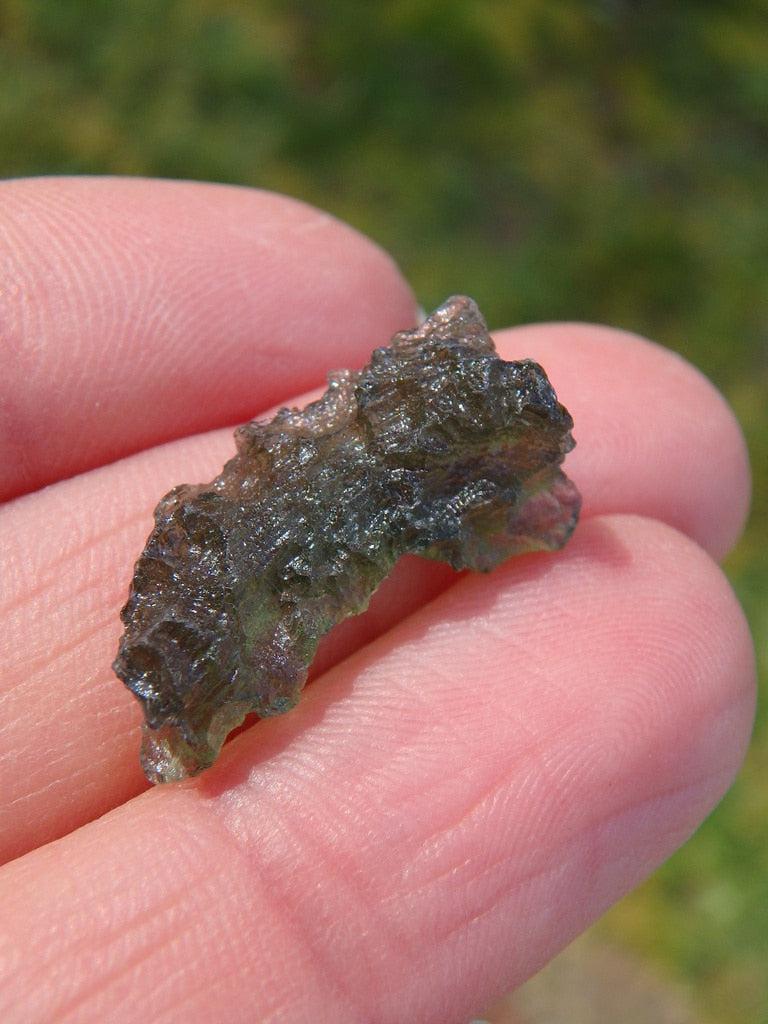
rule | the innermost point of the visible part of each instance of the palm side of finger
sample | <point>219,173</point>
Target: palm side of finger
<point>462,769</point>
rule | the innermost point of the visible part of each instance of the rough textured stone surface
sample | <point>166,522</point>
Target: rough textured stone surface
<point>436,447</point>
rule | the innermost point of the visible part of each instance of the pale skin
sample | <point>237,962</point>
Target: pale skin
<point>485,764</point>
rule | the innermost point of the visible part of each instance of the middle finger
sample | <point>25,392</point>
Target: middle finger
<point>70,729</point>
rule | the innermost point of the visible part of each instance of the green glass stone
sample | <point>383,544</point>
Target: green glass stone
<point>437,447</point>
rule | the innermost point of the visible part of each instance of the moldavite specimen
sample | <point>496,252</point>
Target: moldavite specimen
<point>436,447</point>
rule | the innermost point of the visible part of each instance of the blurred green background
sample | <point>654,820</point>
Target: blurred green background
<point>603,160</point>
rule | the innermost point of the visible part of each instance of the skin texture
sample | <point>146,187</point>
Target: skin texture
<point>488,762</point>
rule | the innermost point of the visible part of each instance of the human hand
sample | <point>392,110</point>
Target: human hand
<point>489,761</point>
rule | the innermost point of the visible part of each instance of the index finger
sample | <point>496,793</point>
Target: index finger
<point>133,312</point>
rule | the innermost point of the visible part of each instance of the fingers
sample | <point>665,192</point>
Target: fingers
<point>137,311</point>
<point>69,729</point>
<point>450,807</point>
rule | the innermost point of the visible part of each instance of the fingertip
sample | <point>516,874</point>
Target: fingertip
<point>684,635</point>
<point>654,436</point>
<point>138,311</point>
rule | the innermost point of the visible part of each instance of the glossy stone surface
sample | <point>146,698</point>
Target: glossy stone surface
<point>436,447</point>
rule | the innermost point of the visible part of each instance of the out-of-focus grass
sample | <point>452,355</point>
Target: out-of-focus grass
<point>574,159</point>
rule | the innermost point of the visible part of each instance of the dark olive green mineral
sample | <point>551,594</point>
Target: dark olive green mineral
<point>436,447</point>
